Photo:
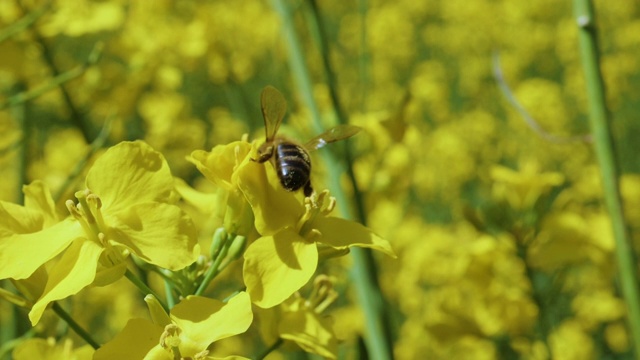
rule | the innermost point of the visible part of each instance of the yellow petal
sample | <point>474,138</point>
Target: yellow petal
<point>158,233</point>
<point>74,271</point>
<point>341,233</point>
<point>136,340</point>
<point>204,320</point>
<point>22,254</point>
<point>277,266</point>
<point>311,332</point>
<point>219,164</point>
<point>273,207</point>
<point>130,173</point>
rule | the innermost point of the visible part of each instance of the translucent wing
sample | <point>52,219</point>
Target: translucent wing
<point>334,134</point>
<point>274,106</point>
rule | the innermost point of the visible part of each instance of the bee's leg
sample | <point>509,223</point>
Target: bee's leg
<point>308,190</point>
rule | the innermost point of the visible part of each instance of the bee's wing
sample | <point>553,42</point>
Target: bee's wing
<point>274,106</point>
<point>334,134</point>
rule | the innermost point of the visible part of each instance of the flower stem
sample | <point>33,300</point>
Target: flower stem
<point>364,270</point>
<point>224,238</point>
<point>270,349</point>
<point>74,325</point>
<point>144,288</point>
<point>604,149</point>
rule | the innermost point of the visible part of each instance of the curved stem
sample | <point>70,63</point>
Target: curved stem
<point>74,325</point>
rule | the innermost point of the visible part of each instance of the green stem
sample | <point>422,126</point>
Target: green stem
<point>58,81</point>
<point>271,348</point>
<point>74,325</point>
<point>96,145</point>
<point>604,149</point>
<point>24,22</point>
<point>364,269</point>
<point>144,288</point>
<point>214,269</point>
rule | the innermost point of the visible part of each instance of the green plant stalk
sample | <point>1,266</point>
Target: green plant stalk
<point>25,22</point>
<point>214,270</point>
<point>74,325</point>
<point>603,143</point>
<point>144,288</point>
<point>363,272</point>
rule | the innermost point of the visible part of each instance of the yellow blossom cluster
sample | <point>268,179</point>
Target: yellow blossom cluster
<point>142,218</point>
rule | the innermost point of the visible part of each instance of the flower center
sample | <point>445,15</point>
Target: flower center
<point>321,204</point>
<point>88,212</point>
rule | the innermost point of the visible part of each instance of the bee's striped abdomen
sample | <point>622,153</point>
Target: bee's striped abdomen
<point>293,165</point>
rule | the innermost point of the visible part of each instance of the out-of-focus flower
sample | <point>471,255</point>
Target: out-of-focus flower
<point>48,349</point>
<point>521,189</point>
<point>186,333</point>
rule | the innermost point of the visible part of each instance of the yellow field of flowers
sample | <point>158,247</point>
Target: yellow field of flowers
<point>486,204</point>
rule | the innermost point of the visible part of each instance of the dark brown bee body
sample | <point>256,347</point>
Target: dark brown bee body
<point>293,166</point>
<point>292,161</point>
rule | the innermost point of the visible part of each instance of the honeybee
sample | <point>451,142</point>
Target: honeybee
<point>290,159</point>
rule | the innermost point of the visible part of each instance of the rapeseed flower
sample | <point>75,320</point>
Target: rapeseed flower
<point>125,209</point>
<point>285,256</point>
<point>50,350</point>
<point>186,333</point>
<point>302,321</point>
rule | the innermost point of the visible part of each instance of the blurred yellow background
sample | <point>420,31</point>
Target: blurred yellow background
<point>504,246</point>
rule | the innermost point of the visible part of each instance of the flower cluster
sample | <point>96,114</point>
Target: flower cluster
<point>128,210</point>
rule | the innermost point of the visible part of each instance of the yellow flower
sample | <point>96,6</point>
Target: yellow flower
<point>286,256</point>
<point>125,209</point>
<point>47,349</point>
<point>186,333</point>
<point>301,321</point>
<point>219,166</point>
<point>521,189</point>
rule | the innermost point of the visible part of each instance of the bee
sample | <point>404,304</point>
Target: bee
<point>290,159</point>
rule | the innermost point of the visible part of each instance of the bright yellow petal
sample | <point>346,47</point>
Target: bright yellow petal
<point>158,233</point>
<point>311,332</point>
<point>130,173</point>
<point>273,207</point>
<point>134,342</point>
<point>340,234</point>
<point>204,320</point>
<point>277,266</point>
<point>21,255</point>
<point>219,164</point>
<point>73,272</point>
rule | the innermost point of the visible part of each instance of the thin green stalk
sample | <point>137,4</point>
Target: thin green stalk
<point>74,325</point>
<point>218,256</point>
<point>144,288</point>
<point>271,348</point>
<point>604,149</point>
<point>364,270</point>
<point>24,22</point>
<point>57,81</point>
<point>96,145</point>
